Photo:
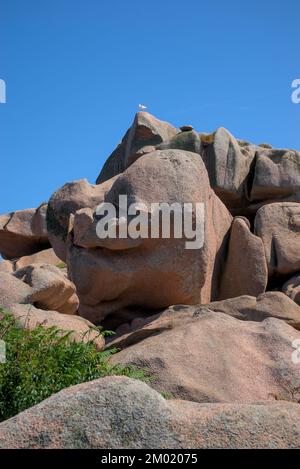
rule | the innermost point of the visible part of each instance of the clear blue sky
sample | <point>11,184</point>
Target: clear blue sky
<point>76,70</point>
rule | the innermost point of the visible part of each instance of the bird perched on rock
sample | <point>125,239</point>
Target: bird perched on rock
<point>142,107</point>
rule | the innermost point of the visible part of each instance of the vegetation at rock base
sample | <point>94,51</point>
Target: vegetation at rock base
<point>167,395</point>
<point>43,361</point>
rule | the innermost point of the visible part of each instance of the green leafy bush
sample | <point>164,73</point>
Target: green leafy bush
<point>43,361</point>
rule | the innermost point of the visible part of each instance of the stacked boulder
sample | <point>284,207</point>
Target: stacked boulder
<point>216,325</point>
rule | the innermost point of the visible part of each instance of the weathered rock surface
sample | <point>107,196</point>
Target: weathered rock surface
<point>212,357</point>
<point>243,175</point>
<point>228,164</point>
<point>184,140</point>
<point>154,272</point>
<point>12,290</point>
<point>50,288</point>
<point>118,412</point>
<point>64,203</point>
<point>82,330</point>
<point>246,270</point>
<point>40,284</point>
<point>292,288</point>
<point>276,175</point>
<point>236,174</point>
<point>47,256</point>
<point>6,266</point>
<point>142,137</point>
<point>18,298</point>
<point>226,344</point>
<point>23,232</point>
<point>269,304</point>
<point>278,225</point>
<point>116,265</point>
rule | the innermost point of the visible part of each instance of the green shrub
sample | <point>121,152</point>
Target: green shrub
<point>167,395</point>
<point>43,361</point>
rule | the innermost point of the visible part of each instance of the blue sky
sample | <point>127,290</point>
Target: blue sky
<point>76,70</point>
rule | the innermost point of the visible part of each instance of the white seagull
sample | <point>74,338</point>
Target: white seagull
<point>142,107</point>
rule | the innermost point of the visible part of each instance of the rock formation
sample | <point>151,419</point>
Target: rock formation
<point>23,232</point>
<point>214,325</point>
<point>204,355</point>
<point>153,273</point>
<point>118,412</point>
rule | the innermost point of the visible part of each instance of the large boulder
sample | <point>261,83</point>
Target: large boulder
<point>51,289</point>
<point>243,175</point>
<point>209,356</point>
<point>64,203</point>
<point>20,298</point>
<point>13,290</point>
<point>113,274</point>
<point>272,304</point>
<point>121,413</point>
<point>276,175</point>
<point>292,288</point>
<point>29,317</point>
<point>278,225</point>
<point>47,256</point>
<point>228,163</point>
<point>23,232</point>
<point>188,140</point>
<point>42,285</point>
<point>246,271</point>
<point>145,132</point>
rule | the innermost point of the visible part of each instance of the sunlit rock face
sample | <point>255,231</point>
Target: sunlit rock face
<point>23,232</point>
<point>113,277</point>
<point>145,133</point>
<point>118,278</point>
<point>187,247</point>
<point>244,175</point>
